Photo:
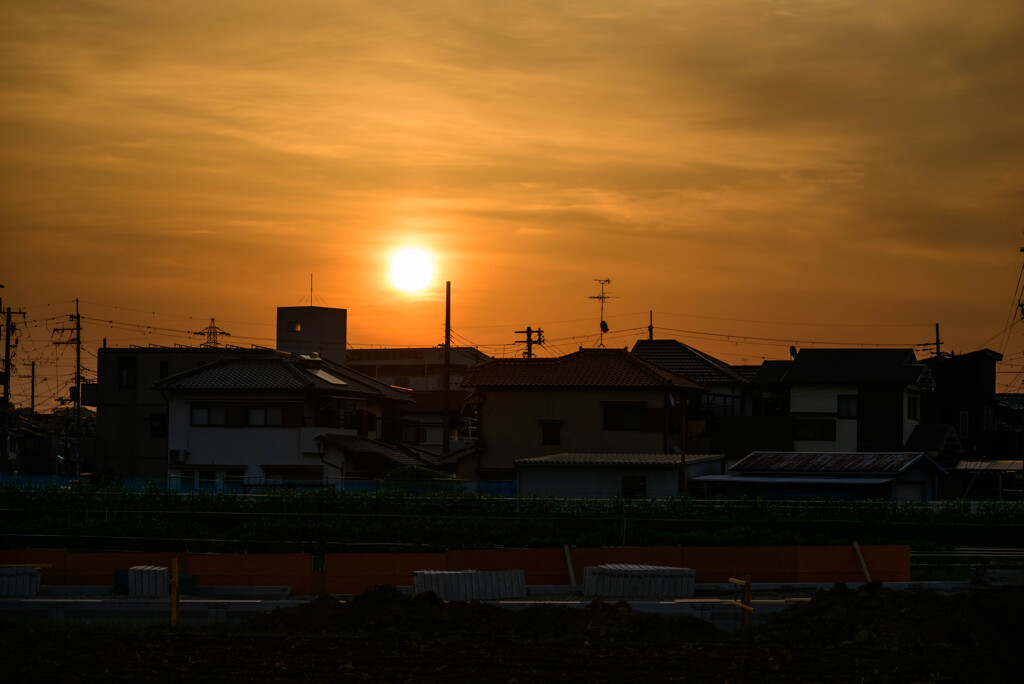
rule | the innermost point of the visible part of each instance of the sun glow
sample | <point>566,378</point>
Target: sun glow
<point>412,269</point>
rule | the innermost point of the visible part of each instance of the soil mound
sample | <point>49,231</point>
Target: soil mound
<point>876,615</point>
<point>386,611</point>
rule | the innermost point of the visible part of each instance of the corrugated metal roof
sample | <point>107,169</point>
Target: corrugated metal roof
<point>990,466</point>
<point>585,368</point>
<point>683,359</point>
<point>649,460</point>
<point>817,480</point>
<point>808,462</point>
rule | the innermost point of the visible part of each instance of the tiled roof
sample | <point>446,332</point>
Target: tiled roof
<point>684,360</point>
<point>650,460</point>
<point>585,368</point>
<point>856,366</point>
<point>828,463</point>
<point>280,373</point>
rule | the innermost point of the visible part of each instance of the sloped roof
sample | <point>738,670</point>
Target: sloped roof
<point>771,372</point>
<point>585,368</point>
<point>363,446</point>
<point>280,373</point>
<point>855,366</point>
<point>609,460</point>
<point>793,463</point>
<point>934,437</point>
<point>684,360</point>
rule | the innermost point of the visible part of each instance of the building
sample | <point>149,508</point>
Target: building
<point>422,369</point>
<point>855,400</point>
<point>596,401</point>
<point>131,413</point>
<point>313,330</point>
<point>627,476</point>
<point>281,419</point>
<point>902,476</point>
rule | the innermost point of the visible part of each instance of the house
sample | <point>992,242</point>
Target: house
<point>280,418</point>
<point>855,400</point>
<point>628,476</point>
<point>131,413</point>
<point>728,415</point>
<point>965,397</point>
<point>904,476</point>
<point>595,401</point>
<point>422,369</point>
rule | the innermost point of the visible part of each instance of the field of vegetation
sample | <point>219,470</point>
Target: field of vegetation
<point>325,520</point>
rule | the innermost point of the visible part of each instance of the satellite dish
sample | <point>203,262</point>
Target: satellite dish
<point>792,351</point>
<point>604,327</point>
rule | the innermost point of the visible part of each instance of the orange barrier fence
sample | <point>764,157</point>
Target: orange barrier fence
<point>352,573</point>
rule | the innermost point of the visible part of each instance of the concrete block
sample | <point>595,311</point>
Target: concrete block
<point>19,581</point>
<point>470,585</point>
<point>638,581</point>
<point>149,581</point>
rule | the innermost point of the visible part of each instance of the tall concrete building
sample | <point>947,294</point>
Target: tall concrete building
<point>312,330</point>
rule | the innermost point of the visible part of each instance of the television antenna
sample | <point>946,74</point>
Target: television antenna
<point>602,298</point>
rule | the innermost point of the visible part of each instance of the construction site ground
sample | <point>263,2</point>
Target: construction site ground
<point>872,633</point>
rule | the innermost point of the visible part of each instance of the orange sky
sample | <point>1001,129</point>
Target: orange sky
<point>806,171</point>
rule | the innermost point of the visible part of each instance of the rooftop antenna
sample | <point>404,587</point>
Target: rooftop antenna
<point>602,297</point>
<point>311,289</point>
<point>213,334</point>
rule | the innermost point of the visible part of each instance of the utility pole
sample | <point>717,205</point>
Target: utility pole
<point>5,410</point>
<point>650,327</point>
<point>77,341</point>
<point>602,298</point>
<point>938,343</point>
<point>529,339</point>
<point>446,421</point>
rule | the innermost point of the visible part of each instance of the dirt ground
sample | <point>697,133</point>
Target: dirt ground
<point>872,634</point>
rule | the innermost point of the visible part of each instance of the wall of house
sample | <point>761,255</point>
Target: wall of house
<point>820,402</point>
<point>313,329</point>
<point>131,415</point>
<point>603,482</point>
<point>250,447</point>
<point>510,424</point>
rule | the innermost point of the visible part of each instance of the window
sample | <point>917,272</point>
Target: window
<point>847,406</point>
<point>623,417</point>
<point>126,368</point>
<point>294,326</point>
<point>913,407</point>
<point>814,429</point>
<point>234,479</point>
<point>257,415</point>
<point>551,432</point>
<point>207,415</point>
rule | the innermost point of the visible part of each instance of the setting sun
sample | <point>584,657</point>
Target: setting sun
<point>412,269</point>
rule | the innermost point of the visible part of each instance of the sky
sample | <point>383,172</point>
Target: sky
<point>750,174</point>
